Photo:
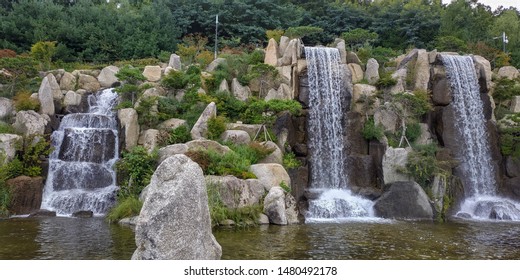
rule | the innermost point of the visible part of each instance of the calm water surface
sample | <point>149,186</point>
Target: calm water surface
<point>94,238</point>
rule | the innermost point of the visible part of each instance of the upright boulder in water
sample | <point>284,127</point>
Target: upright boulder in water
<point>404,200</point>
<point>174,222</point>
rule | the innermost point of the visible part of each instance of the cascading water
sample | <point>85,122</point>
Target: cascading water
<point>482,201</point>
<point>328,180</point>
<point>81,175</point>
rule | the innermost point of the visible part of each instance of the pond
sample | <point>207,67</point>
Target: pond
<point>94,238</point>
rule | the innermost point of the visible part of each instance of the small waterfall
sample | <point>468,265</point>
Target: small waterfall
<point>482,201</point>
<point>81,175</point>
<point>328,182</point>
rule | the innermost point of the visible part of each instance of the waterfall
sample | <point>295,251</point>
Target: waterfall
<point>481,200</point>
<point>328,173</point>
<point>81,175</point>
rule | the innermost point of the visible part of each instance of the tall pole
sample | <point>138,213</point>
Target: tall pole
<point>216,35</point>
<point>504,41</point>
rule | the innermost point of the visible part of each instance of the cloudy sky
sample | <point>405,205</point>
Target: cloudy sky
<point>496,3</point>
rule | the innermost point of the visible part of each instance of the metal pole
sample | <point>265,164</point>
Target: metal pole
<point>216,35</point>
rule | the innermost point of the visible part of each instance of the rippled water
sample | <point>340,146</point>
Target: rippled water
<point>70,238</point>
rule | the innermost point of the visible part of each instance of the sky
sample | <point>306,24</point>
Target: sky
<point>496,3</point>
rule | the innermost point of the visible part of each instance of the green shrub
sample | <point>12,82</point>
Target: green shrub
<point>413,131</point>
<point>276,34</point>
<point>180,134</point>
<point>285,187</point>
<point>216,126</point>
<point>505,89</point>
<point>125,208</point>
<point>35,148</point>
<point>260,111</point>
<point>43,52</point>
<point>24,102</point>
<point>371,131</point>
<point>422,164</point>
<point>256,57</point>
<point>386,81</point>
<point>145,110</point>
<point>302,31</point>
<point>6,128</point>
<point>124,104</point>
<point>5,200</point>
<point>175,80</point>
<point>228,105</point>
<point>134,171</point>
<point>290,161</point>
<point>131,78</point>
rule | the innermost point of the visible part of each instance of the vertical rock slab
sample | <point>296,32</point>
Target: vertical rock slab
<point>175,62</point>
<point>200,129</point>
<point>48,88</point>
<point>174,223</point>
<point>404,200</point>
<point>372,71</point>
<point>422,71</point>
<point>107,76</point>
<point>271,53</point>
<point>130,126</point>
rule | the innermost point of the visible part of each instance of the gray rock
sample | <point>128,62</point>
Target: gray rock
<point>236,137</point>
<point>49,88</point>
<point>271,53</point>
<point>404,200</point>
<point>200,129</point>
<point>271,174</point>
<point>394,160</point>
<point>284,42</point>
<point>30,123</point>
<point>68,81</point>
<point>149,139</point>
<point>214,64</point>
<point>515,104</point>
<point>362,96</point>
<point>175,62</point>
<point>251,129</point>
<point>439,187</point>
<point>484,73</point>
<point>290,55</point>
<point>400,77</point>
<point>237,193</point>
<point>357,72</point>
<point>223,86</point>
<point>83,214</point>
<point>422,71</point>
<point>107,76</point>
<point>6,108</point>
<point>129,126</point>
<point>284,92</point>
<point>170,150</point>
<point>340,45</point>
<point>441,92</point>
<point>426,137</point>
<point>291,209</point>
<point>353,58</point>
<point>132,221</point>
<point>174,222</point>
<point>171,124</point>
<point>285,73</point>
<point>9,144</point>
<point>152,73</point>
<point>263,219</point>
<point>72,99</point>
<point>240,92</point>
<point>203,144</point>
<point>88,83</point>
<point>512,167</point>
<point>508,72</point>
<point>372,71</point>
<point>276,156</point>
<point>274,206</point>
<point>386,118</point>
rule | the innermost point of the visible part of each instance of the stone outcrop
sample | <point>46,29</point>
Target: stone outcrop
<point>372,71</point>
<point>357,72</point>
<point>203,144</point>
<point>107,77</point>
<point>6,108</point>
<point>9,144</point>
<point>171,124</point>
<point>200,129</point>
<point>276,156</point>
<point>175,62</point>
<point>174,222</point>
<point>274,206</point>
<point>284,92</point>
<point>214,64</point>
<point>404,200</point>
<point>271,53</point>
<point>271,174</point>
<point>171,150</point>
<point>30,123</point>
<point>68,81</point>
<point>26,194</point>
<point>236,137</point>
<point>152,73</point>
<point>394,160</point>
<point>237,193</point>
<point>129,126</point>
<point>88,83</point>
<point>149,139</point>
<point>48,92</point>
<point>484,73</point>
<point>508,72</point>
<point>72,99</point>
<point>364,99</point>
<point>240,92</point>
<point>223,86</point>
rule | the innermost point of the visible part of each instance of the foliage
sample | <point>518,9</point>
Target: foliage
<point>381,54</point>
<point>413,131</point>
<point>505,89</point>
<point>125,208</point>
<point>6,128</point>
<point>146,110</point>
<point>35,148</point>
<point>7,53</point>
<point>174,80</point>
<point>180,134</point>
<point>371,131</point>
<point>450,44</point>
<point>422,164</point>
<point>359,37</point>
<point>192,49</point>
<point>216,126</point>
<point>43,52</point>
<point>290,161</point>
<point>130,77</point>
<point>134,171</point>
<point>24,102</point>
<point>260,111</point>
<point>302,31</point>
<point>276,34</point>
<point>510,136</point>
<point>386,81</point>
<point>22,75</point>
<point>228,105</point>
<point>285,187</point>
<point>416,104</point>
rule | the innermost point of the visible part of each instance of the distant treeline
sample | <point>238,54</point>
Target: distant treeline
<point>109,30</point>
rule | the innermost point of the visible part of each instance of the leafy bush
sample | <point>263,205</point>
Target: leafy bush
<point>180,134</point>
<point>423,165</point>
<point>6,128</point>
<point>23,75</point>
<point>228,105</point>
<point>125,208</point>
<point>131,78</point>
<point>174,80</point>
<point>216,126</point>
<point>359,37</point>
<point>290,161</point>
<point>134,170</point>
<point>302,31</point>
<point>24,102</point>
<point>260,111</point>
<point>285,187</point>
<point>413,131</point>
<point>276,34</point>
<point>35,148</point>
<point>371,131</point>
<point>43,52</point>
<point>450,44</point>
<point>386,81</point>
<point>505,89</point>
<point>146,111</point>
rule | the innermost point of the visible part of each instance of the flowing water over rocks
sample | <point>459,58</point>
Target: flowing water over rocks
<point>81,175</point>
<point>482,201</point>
<point>327,103</point>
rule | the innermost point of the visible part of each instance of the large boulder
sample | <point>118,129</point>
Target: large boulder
<point>72,99</point>
<point>130,126</point>
<point>224,86</point>
<point>271,174</point>
<point>174,222</point>
<point>388,119</point>
<point>274,206</point>
<point>49,90</point>
<point>290,55</point>
<point>236,137</point>
<point>237,193</point>
<point>149,139</point>
<point>107,76</point>
<point>284,92</point>
<point>271,53</point>
<point>6,108</point>
<point>357,72</point>
<point>88,83</point>
<point>372,71</point>
<point>291,209</point>
<point>422,71</point>
<point>26,194</point>
<point>364,98</point>
<point>171,124</point>
<point>484,73</point>
<point>400,77</point>
<point>240,92</point>
<point>394,160</point>
<point>284,42</point>
<point>175,62</point>
<point>214,64</point>
<point>152,73</point>
<point>170,150</point>
<point>508,72</point>
<point>200,129</point>
<point>404,200</point>
<point>203,144</point>
<point>251,129</point>
<point>30,123</point>
<point>68,81</point>
<point>276,156</point>
<point>340,45</point>
<point>9,144</point>
<point>515,104</point>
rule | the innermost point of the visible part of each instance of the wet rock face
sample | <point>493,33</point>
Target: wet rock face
<point>404,200</point>
<point>26,194</point>
<point>88,145</point>
<point>81,175</point>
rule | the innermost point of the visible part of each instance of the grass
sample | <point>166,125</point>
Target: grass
<point>128,207</point>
